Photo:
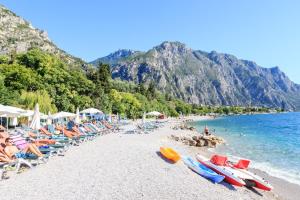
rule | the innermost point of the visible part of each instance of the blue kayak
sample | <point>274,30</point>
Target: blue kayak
<point>203,170</point>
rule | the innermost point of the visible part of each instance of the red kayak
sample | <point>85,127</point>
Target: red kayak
<point>253,179</point>
<point>230,176</point>
<point>235,174</point>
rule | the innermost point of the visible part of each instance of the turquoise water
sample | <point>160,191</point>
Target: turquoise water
<point>270,141</point>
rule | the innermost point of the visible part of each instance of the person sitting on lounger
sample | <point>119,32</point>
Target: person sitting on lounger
<point>5,159</point>
<point>70,124</point>
<point>13,152</point>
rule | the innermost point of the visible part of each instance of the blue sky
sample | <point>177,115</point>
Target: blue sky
<point>267,32</point>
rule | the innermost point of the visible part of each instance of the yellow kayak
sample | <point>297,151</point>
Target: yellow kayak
<point>170,154</point>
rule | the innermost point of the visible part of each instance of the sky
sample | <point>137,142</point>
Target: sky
<point>267,32</point>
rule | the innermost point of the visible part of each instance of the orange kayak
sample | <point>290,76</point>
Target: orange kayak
<point>170,154</point>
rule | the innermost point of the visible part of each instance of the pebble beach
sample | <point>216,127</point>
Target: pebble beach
<point>129,166</point>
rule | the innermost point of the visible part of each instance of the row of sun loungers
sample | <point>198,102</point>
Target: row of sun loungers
<point>144,128</point>
<point>50,140</point>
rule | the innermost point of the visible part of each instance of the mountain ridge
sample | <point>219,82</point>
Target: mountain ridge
<point>209,78</point>
<point>17,35</point>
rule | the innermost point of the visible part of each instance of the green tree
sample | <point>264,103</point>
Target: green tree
<point>7,97</point>
<point>104,77</point>
<point>101,100</point>
<point>29,99</point>
<point>151,93</point>
<point>20,78</point>
<point>141,89</point>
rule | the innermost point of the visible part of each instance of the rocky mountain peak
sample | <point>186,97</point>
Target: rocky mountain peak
<point>122,53</point>
<point>172,47</point>
<point>115,56</point>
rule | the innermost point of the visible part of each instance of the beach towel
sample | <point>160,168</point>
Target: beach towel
<point>19,141</point>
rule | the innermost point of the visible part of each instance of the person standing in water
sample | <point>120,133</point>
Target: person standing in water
<point>206,131</point>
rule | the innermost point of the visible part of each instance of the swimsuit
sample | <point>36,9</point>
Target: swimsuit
<point>22,155</point>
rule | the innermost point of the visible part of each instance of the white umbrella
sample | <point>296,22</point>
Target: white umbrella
<point>83,117</point>
<point>109,118</point>
<point>49,119</point>
<point>14,121</point>
<point>43,116</point>
<point>36,120</point>
<point>27,113</point>
<point>62,115</point>
<point>13,109</point>
<point>77,119</point>
<point>154,113</point>
<point>91,111</point>
<point>144,118</point>
<point>10,111</point>
<point>118,118</point>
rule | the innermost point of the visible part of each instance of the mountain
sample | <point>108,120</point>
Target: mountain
<point>205,78</point>
<point>116,57</point>
<point>18,35</point>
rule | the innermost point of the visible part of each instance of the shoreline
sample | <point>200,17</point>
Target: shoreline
<point>283,189</point>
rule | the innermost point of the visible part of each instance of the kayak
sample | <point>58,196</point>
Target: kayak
<point>231,175</point>
<point>235,174</point>
<point>250,178</point>
<point>170,154</point>
<point>240,169</point>
<point>203,170</point>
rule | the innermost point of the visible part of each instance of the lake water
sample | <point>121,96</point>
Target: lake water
<point>270,141</point>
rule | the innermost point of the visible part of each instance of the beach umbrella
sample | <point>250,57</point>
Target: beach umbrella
<point>62,115</point>
<point>49,119</point>
<point>118,118</point>
<point>30,113</point>
<point>14,121</point>
<point>27,113</point>
<point>43,116</point>
<point>83,117</point>
<point>144,118</point>
<point>36,119</point>
<point>10,112</point>
<point>109,118</point>
<point>154,113</point>
<point>91,111</point>
<point>14,109</point>
<point>77,119</point>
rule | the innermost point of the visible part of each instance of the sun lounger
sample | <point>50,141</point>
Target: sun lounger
<point>131,129</point>
<point>17,163</point>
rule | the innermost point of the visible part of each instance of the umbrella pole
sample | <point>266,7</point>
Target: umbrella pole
<point>62,124</point>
